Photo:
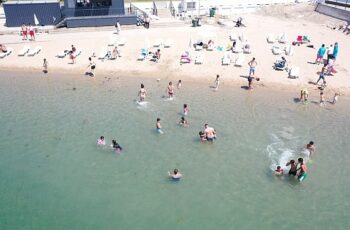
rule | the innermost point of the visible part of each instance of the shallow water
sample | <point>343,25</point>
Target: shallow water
<point>53,176</point>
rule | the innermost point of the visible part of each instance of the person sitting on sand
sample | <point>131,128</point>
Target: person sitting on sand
<point>116,146</point>
<point>183,122</point>
<point>281,64</point>
<point>176,175</point>
<point>311,147</point>
<point>142,93</point>
<point>239,22</point>
<point>3,48</point>
<point>279,171</point>
<point>293,168</point>
<point>101,141</point>
<point>156,55</point>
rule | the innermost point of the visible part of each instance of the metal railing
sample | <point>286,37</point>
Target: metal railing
<point>339,3</point>
<point>93,11</point>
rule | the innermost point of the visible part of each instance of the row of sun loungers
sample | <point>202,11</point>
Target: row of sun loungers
<point>26,50</point>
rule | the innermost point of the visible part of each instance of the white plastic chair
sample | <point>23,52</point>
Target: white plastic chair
<point>240,60</point>
<point>24,51</point>
<point>33,52</point>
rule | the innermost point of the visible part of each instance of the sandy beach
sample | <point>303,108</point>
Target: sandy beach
<point>258,25</point>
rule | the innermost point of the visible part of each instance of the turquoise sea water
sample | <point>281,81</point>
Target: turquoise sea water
<point>53,176</point>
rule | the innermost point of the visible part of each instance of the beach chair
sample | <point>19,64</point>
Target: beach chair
<point>143,54</point>
<point>158,43</point>
<point>271,38</point>
<point>240,60</point>
<point>289,50</point>
<point>168,43</point>
<point>77,52</point>
<point>9,51</point>
<point>112,41</point>
<point>198,47</point>
<point>233,37</point>
<point>62,54</point>
<point>35,51</point>
<point>294,72</point>
<point>199,59</point>
<point>282,38</point>
<point>306,39</point>
<point>210,47</point>
<point>226,59</point>
<point>121,41</point>
<point>24,51</point>
<point>103,54</point>
<point>238,48</point>
<point>299,40</point>
<point>276,50</point>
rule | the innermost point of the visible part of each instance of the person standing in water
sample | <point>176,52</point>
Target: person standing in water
<point>176,175</point>
<point>217,82</point>
<point>209,132</point>
<point>302,170</point>
<point>304,94</point>
<point>142,93</point>
<point>322,100</point>
<point>45,65</point>
<point>293,168</point>
<point>183,122</point>
<point>158,126</point>
<point>279,171</point>
<point>186,110</point>
<point>179,84</point>
<point>170,90</point>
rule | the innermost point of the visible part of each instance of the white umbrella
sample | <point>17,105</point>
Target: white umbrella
<point>36,21</point>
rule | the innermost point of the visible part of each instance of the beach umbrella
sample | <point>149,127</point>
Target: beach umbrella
<point>36,21</point>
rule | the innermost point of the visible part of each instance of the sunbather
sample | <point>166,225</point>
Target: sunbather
<point>3,48</point>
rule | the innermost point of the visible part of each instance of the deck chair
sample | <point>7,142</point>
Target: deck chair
<point>198,48</point>
<point>240,60</point>
<point>282,38</point>
<point>103,54</point>
<point>9,51</point>
<point>271,38</point>
<point>299,39</point>
<point>276,50</point>
<point>112,41</point>
<point>34,51</point>
<point>238,48</point>
<point>199,59</point>
<point>168,43</point>
<point>226,59</point>
<point>158,43</point>
<point>294,72</point>
<point>24,51</point>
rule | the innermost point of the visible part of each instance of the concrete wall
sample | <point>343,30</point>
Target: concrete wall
<point>333,12</point>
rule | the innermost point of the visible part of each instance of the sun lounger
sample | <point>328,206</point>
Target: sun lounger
<point>62,54</point>
<point>199,59</point>
<point>276,50</point>
<point>158,43</point>
<point>199,47</point>
<point>9,51</point>
<point>238,48</point>
<point>33,52</point>
<point>294,72</point>
<point>121,41</point>
<point>271,38</point>
<point>103,54</point>
<point>226,59</point>
<point>282,38</point>
<point>233,37</point>
<point>24,51</point>
<point>112,41</point>
<point>168,44</point>
<point>240,60</point>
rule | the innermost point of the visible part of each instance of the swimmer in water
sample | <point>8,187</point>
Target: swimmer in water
<point>302,169</point>
<point>158,126</point>
<point>311,147</point>
<point>183,122</point>
<point>209,132</point>
<point>179,83</point>
<point>142,93</point>
<point>116,146</point>
<point>101,141</point>
<point>185,110</point>
<point>279,171</point>
<point>202,136</point>
<point>175,174</point>
<point>170,90</point>
<point>217,82</point>
<point>293,168</point>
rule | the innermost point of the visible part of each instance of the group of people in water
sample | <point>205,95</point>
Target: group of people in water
<point>115,146</point>
<point>297,169</point>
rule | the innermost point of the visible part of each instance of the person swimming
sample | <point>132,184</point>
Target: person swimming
<point>183,122</point>
<point>311,147</point>
<point>158,126</point>
<point>142,93</point>
<point>116,147</point>
<point>175,175</point>
<point>279,171</point>
<point>170,90</point>
<point>101,141</point>
<point>293,168</point>
<point>186,110</point>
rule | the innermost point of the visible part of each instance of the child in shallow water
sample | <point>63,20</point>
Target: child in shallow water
<point>279,171</point>
<point>116,147</point>
<point>183,122</point>
<point>101,141</point>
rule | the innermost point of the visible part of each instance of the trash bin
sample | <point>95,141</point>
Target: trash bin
<point>212,12</point>
<point>194,22</point>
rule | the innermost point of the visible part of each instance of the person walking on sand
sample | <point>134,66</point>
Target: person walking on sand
<point>186,110</point>
<point>24,30</point>
<point>45,65</point>
<point>117,26</point>
<point>252,66</point>
<point>320,54</point>
<point>217,82</point>
<point>142,93</point>
<point>329,52</point>
<point>31,32</point>
<point>92,67</point>
<point>335,50</point>
<point>322,75</point>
